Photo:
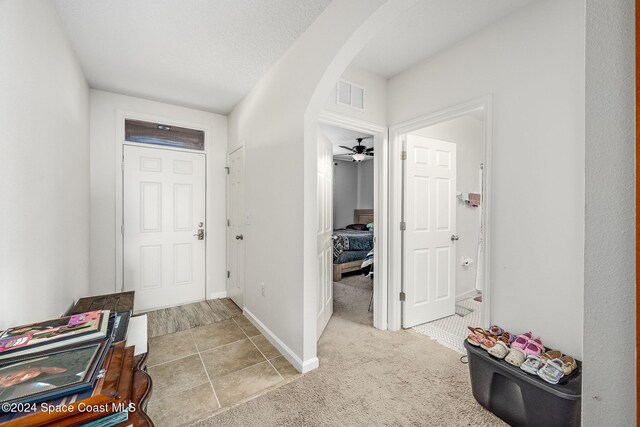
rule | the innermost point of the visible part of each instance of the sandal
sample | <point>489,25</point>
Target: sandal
<point>488,342</point>
<point>522,340</point>
<point>515,357</point>
<point>499,350</point>
<point>531,365</point>
<point>569,364</point>
<point>496,331</point>
<point>476,337</point>
<point>507,338</point>
<point>552,372</point>
<point>550,355</point>
<point>534,348</point>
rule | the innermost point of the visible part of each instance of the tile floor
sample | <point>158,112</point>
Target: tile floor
<point>199,371</point>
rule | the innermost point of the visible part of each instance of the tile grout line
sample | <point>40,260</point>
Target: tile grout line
<point>205,371</point>
<point>254,344</point>
<point>173,360</point>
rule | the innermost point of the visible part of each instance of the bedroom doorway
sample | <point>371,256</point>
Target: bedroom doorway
<point>351,272</point>
<point>442,202</point>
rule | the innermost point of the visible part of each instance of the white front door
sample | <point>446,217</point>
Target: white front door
<point>325,232</point>
<point>164,230</point>
<point>235,226</point>
<point>430,222</point>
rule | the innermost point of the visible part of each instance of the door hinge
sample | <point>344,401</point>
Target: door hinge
<point>228,274</point>
<point>228,223</point>
<point>403,296</point>
<point>228,169</point>
<point>404,155</point>
<point>403,226</point>
<point>122,166</point>
<point>122,229</point>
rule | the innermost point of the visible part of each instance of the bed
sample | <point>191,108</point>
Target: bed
<point>351,247</point>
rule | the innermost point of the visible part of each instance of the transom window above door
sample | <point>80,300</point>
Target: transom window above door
<point>165,135</point>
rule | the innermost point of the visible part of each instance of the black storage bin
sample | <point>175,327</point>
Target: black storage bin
<point>523,399</point>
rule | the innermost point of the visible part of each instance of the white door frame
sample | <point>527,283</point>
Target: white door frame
<point>381,204</point>
<point>121,115</point>
<point>395,212</point>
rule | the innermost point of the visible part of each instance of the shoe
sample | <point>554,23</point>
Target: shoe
<point>515,357</point>
<point>552,372</point>
<point>531,365</point>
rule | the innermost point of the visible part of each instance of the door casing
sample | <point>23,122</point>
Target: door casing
<point>119,142</point>
<point>395,199</point>
<point>381,296</point>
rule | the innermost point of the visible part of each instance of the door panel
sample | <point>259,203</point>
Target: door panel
<point>325,232</point>
<point>164,203</point>
<point>235,227</point>
<point>430,216</point>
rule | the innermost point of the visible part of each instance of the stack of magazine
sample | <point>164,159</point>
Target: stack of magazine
<point>54,358</point>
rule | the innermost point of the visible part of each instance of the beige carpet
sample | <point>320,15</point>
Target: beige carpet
<point>368,377</point>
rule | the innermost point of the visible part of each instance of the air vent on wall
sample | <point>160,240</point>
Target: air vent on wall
<point>350,95</point>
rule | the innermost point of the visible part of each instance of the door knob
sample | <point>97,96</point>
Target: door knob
<point>239,237</point>
<point>200,234</point>
<point>454,237</point>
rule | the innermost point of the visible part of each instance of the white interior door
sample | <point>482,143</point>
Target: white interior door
<point>430,222</point>
<point>325,231</point>
<point>235,227</point>
<point>164,230</point>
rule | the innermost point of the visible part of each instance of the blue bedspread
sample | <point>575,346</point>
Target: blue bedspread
<point>355,240</point>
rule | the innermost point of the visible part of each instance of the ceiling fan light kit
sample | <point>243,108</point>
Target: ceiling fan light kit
<point>359,152</point>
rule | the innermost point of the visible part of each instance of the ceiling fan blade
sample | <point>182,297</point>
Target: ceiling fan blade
<point>370,149</point>
<point>348,148</point>
<point>369,154</point>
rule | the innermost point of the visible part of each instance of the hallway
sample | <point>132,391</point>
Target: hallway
<point>368,377</point>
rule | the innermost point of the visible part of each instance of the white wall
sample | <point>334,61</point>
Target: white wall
<point>533,64</point>
<point>44,179</point>
<point>345,192</point>
<point>609,377</point>
<point>467,132</point>
<point>103,141</point>
<point>365,184</point>
<point>375,96</point>
<point>352,189</point>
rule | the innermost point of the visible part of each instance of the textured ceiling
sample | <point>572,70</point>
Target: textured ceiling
<point>427,28</point>
<point>339,136</point>
<point>205,54</point>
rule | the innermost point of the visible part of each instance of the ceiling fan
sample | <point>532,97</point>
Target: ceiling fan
<point>359,152</point>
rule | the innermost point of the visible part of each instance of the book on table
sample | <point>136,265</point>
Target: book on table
<point>53,333</point>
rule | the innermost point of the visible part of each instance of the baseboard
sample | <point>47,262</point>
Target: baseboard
<point>301,366</point>
<point>218,295</point>
<point>469,294</point>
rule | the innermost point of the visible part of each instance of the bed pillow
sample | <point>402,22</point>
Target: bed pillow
<point>361,227</point>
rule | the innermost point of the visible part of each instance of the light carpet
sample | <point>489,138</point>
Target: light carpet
<point>452,331</point>
<point>368,377</point>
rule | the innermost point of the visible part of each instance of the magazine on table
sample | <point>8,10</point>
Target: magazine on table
<point>53,333</point>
